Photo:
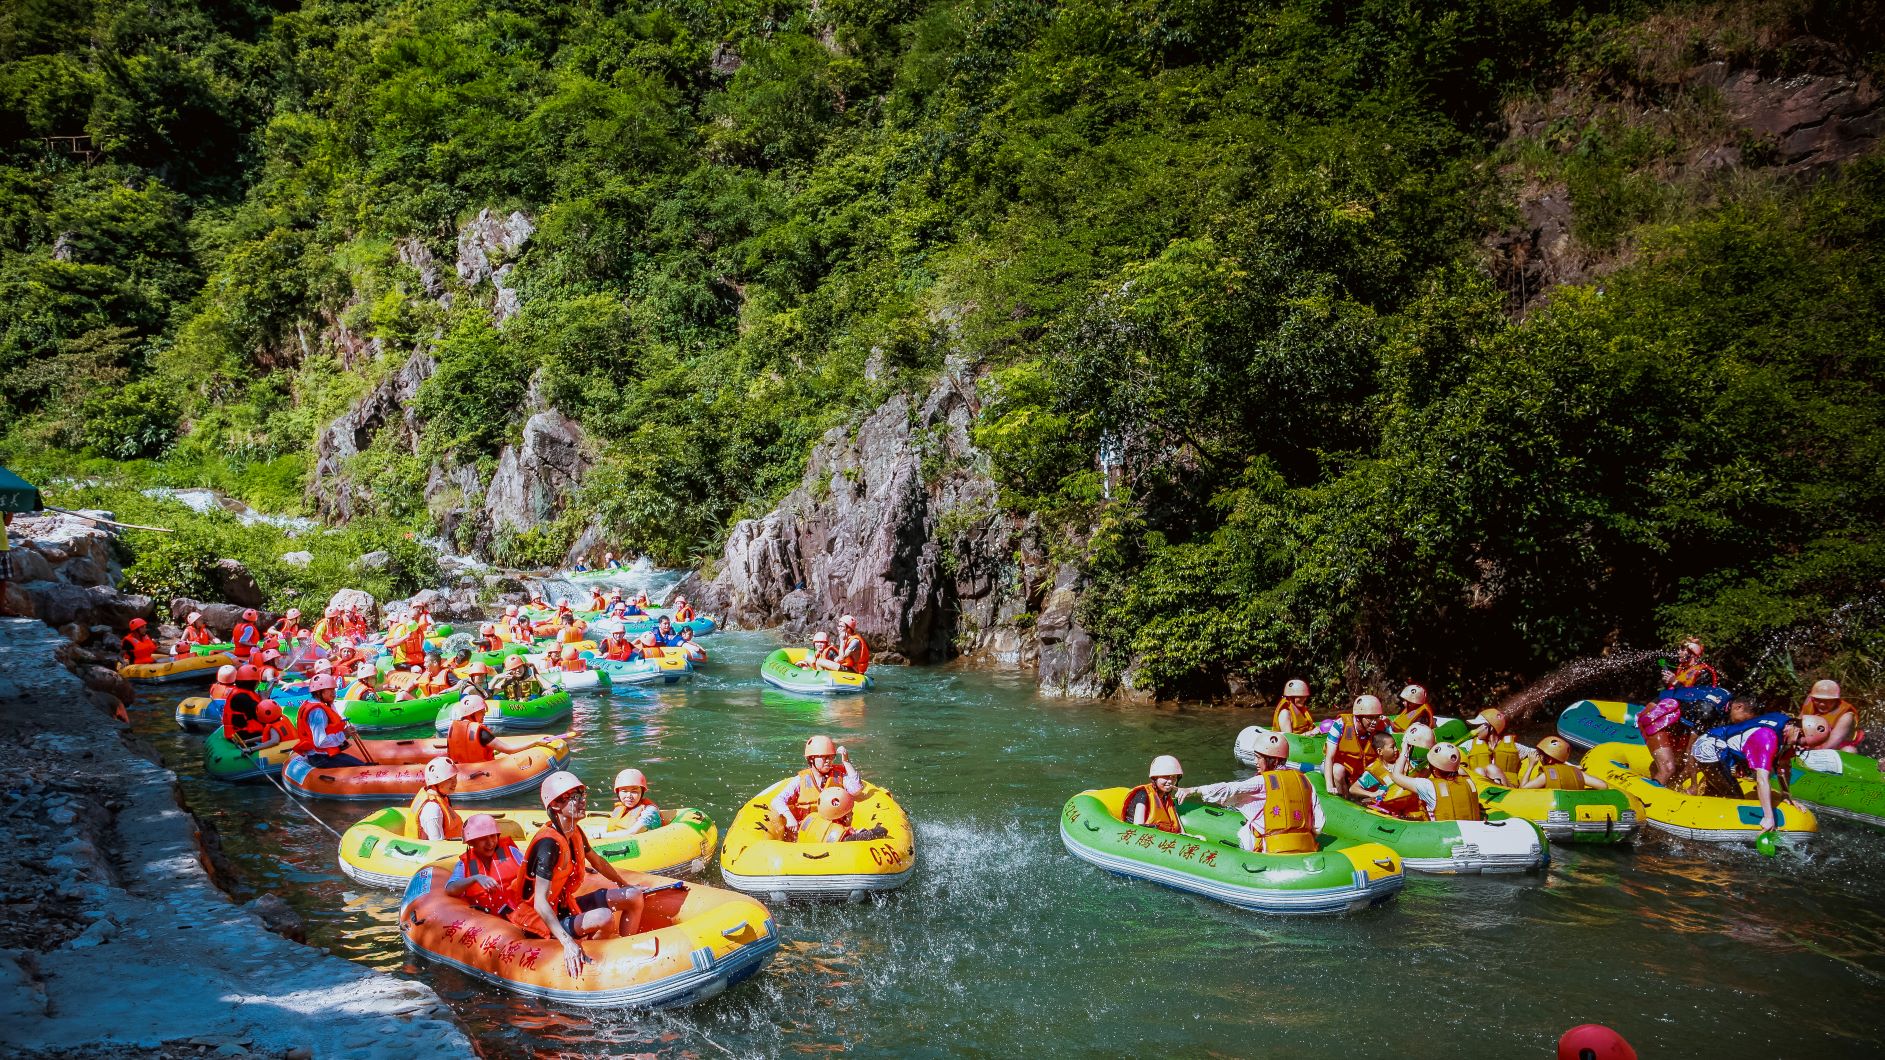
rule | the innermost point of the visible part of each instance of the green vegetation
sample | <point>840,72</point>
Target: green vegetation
<point>1223,263</point>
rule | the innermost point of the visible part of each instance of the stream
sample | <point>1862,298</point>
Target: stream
<point>1004,945</point>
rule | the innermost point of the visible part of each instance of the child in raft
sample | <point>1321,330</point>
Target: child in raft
<point>488,872</point>
<point>826,765</point>
<point>634,811</point>
<point>832,823</point>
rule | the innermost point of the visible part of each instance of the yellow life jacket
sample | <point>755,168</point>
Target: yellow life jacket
<point>1561,776</point>
<point>1454,800</point>
<point>816,829</point>
<point>1292,718</point>
<point>1288,824</point>
<point>454,828</point>
<point>1504,754</point>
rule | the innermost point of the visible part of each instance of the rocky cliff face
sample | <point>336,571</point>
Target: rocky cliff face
<point>896,523</point>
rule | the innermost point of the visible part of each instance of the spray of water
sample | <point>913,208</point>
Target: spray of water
<point>1573,676</point>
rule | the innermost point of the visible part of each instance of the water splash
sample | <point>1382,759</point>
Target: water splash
<point>1576,675</point>
<point>203,501</point>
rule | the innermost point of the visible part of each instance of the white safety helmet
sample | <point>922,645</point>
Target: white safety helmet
<point>1367,706</point>
<point>630,778</point>
<point>1414,694</point>
<point>1165,766</point>
<point>557,785</point>
<point>1445,757</point>
<point>438,771</point>
<point>1296,687</point>
<point>226,674</point>
<point>1272,745</point>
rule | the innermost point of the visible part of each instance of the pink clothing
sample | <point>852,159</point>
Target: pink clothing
<point>1658,716</point>
<point>1760,746</point>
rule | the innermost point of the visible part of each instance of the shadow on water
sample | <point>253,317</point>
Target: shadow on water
<point>1005,945</point>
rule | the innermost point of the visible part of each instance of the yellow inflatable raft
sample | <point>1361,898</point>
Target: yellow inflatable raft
<point>377,852</point>
<point>1706,818</point>
<point>694,944</point>
<point>180,668</point>
<point>757,860</point>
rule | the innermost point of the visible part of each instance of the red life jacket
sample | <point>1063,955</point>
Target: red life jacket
<point>141,647</point>
<point>619,649</point>
<point>239,723</point>
<point>856,656</point>
<point>462,744</point>
<point>504,868</point>
<point>304,724</point>
<point>566,879</point>
<point>197,635</point>
<point>245,637</point>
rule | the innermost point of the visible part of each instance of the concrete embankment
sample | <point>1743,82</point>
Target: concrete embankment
<point>115,940</point>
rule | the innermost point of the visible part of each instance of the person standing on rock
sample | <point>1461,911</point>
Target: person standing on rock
<point>321,731</point>
<point>137,648</point>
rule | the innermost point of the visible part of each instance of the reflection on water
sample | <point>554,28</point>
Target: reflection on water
<point>1004,945</point>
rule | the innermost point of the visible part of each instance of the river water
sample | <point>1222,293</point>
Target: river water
<point>1004,945</point>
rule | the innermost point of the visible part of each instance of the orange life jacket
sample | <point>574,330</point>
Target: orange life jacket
<point>503,868</point>
<point>573,664</point>
<point>805,800</point>
<point>304,724</point>
<point>434,684</point>
<point>1160,811</point>
<point>1560,776</point>
<point>618,649</point>
<point>1695,675</point>
<point>1454,800</point>
<point>142,648</point>
<point>817,653</point>
<point>684,613</point>
<point>570,634</point>
<point>278,731</point>
<point>649,651</point>
<point>197,635</point>
<point>454,828</point>
<point>462,744</point>
<point>1292,718</point>
<point>855,656</point>
<point>1353,749</point>
<point>1840,710</point>
<point>412,646</point>
<point>566,879</point>
<point>220,690</point>
<point>491,641</point>
<point>1288,824</point>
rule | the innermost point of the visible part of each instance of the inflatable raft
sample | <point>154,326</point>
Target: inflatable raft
<point>509,775</point>
<point>377,852</point>
<point>1705,818</point>
<point>223,760</point>
<point>577,681</point>
<point>1589,722</point>
<point>1340,877</point>
<point>781,670</point>
<point>199,714</point>
<point>1838,784</point>
<point>382,713</point>
<point>755,858</point>
<point>1511,845</point>
<point>516,715</point>
<point>694,944</point>
<point>669,669</point>
<point>176,669</point>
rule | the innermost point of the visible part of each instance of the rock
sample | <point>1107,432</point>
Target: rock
<point>358,599</point>
<point>1065,648</point>
<point>502,583</point>
<point>15,601</point>
<point>235,584</point>
<point>297,559</point>
<point>83,570</point>
<point>534,481</point>
<point>22,995</point>
<point>388,406</point>
<point>220,618</point>
<point>277,916</point>
<point>108,681</point>
<point>419,257</point>
<point>375,560</point>
<point>487,239</point>
<point>27,565</point>
<point>57,603</point>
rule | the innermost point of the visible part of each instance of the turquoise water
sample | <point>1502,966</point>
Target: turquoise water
<point>1004,945</point>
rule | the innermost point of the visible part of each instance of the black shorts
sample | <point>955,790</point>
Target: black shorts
<point>586,903</point>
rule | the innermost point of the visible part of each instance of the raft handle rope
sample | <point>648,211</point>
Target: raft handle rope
<point>266,775</point>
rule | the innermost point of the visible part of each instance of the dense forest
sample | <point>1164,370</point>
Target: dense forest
<point>1235,278</point>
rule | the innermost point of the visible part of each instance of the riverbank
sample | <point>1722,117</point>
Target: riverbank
<point>114,938</point>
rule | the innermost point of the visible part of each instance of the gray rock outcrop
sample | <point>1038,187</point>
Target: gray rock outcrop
<point>534,480</point>
<point>387,407</point>
<point>235,584</point>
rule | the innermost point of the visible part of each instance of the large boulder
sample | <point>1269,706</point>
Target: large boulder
<point>221,618</point>
<point>57,604</point>
<point>74,550</point>
<point>375,560</point>
<point>235,584</point>
<point>16,602</point>
<point>83,570</point>
<point>388,406</point>
<point>358,599</point>
<point>535,480</point>
<point>27,565</point>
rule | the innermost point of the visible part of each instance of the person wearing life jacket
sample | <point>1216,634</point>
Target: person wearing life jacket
<point>648,646</point>
<point>366,683</point>
<point>826,764</point>
<point>268,663</point>
<point>550,903</point>
<point>537,600</point>
<point>475,681</point>
<point>1282,814</point>
<point>287,628</point>
<point>468,741</point>
<point>239,708</point>
<point>272,728</point>
<point>616,647</point>
<point>1491,754</point>
<point>1375,781</point>
<point>225,682</point>
<point>1154,804</point>
<point>246,635</point>
<point>490,871</point>
<point>569,629</point>
<point>1378,782</point>
<point>1690,671</point>
<point>665,633</point>
<point>408,644</point>
<point>1292,708</point>
<point>1351,742</point>
<point>822,655</point>
<point>194,633</point>
<point>633,605</point>
<point>571,660</point>
<point>683,611</point>
<point>597,601</point>
<point>328,629</point>
<point>1828,702</point>
<point>1415,709</point>
<point>634,811</point>
<point>357,625</point>
<point>322,733</point>
<point>832,822</point>
<point>691,647</point>
<point>343,656</point>
<point>1446,792</point>
<point>137,647</point>
<point>518,682</point>
<point>1759,744</point>
<point>431,815</point>
<point>854,656</point>
<point>1554,770</point>
<point>489,638</point>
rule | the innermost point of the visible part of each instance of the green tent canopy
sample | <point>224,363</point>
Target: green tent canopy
<point>17,494</point>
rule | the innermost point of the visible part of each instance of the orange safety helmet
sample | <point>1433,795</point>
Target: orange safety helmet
<point>248,672</point>
<point>820,746</point>
<point>1555,748</point>
<point>834,803</point>
<point>138,623</point>
<point>1491,719</point>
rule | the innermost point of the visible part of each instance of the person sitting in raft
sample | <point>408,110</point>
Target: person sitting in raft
<point>1415,709</point>
<point>665,633</point>
<point>475,681</point>
<point>1351,742</point>
<point>357,625</point>
<point>616,647</point>
<point>683,611</point>
<point>408,644</point>
<point>1760,744</point>
<point>825,765</point>
<point>431,815</point>
<point>1826,701</point>
<point>137,647</point>
<point>634,812</point>
<point>1292,708</point>
<point>1445,793</point>
<point>328,629</point>
<point>632,606</point>
<point>272,728</point>
<point>434,678</point>
<point>822,656</point>
<point>1281,812</point>
<point>648,646</point>
<point>597,601</point>
<point>344,656</point>
<point>321,731</point>
<point>365,685</point>
<point>288,627</point>
<point>518,682</point>
<point>490,870</point>
<point>1690,671</point>
<point>1553,769</point>
<point>854,656</point>
<point>1491,754</point>
<point>690,647</point>
<point>246,636</point>
<point>194,633</point>
<point>225,681</point>
<point>488,639</point>
<point>1378,777</point>
<point>555,860</point>
<point>537,599</point>
<point>832,822</point>
<point>239,709</point>
<point>610,562</point>
<point>469,740</point>
<point>1154,804</point>
<point>1390,798</point>
<point>268,663</point>
<point>516,627</point>
<point>571,661</point>
<point>569,629</point>
<point>1667,736</point>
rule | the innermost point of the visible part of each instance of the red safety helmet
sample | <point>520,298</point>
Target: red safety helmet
<point>250,615</point>
<point>267,711</point>
<point>138,623</point>
<point>1594,1041</point>
<point>248,672</point>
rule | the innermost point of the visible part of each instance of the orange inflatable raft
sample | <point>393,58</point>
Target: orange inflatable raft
<point>693,945</point>
<point>511,774</point>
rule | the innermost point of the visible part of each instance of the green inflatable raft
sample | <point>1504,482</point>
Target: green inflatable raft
<point>781,670</point>
<point>1501,846</point>
<point>383,713</point>
<point>514,715</point>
